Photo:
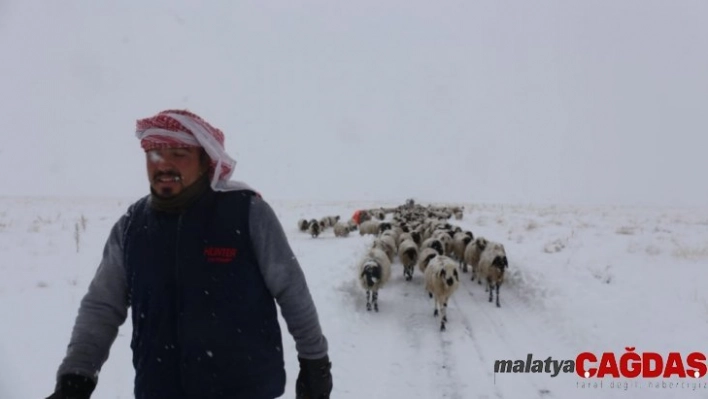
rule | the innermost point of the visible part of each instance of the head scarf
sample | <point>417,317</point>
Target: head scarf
<point>184,129</point>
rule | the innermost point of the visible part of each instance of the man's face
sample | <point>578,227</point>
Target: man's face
<point>171,170</point>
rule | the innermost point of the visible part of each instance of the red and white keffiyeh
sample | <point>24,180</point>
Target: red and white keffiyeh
<point>181,129</point>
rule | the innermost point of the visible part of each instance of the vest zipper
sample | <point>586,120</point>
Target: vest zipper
<point>178,305</point>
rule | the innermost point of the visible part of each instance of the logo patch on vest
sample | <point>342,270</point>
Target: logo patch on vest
<point>219,254</point>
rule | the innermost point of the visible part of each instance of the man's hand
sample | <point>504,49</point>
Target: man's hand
<point>315,379</point>
<point>74,386</point>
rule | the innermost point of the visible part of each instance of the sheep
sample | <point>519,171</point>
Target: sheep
<point>315,228</point>
<point>396,230</point>
<point>374,270</point>
<point>404,237</point>
<point>329,221</point>
<point>441,281</point>
<point>445,239</point>
<point>384,226</point>
<point>303,224</point>
<point>364,216</point>
<point>435,244</point>
<point>424,257</point>
<point>408,253</point>
<point>413,235</point>
<point>492,264</point>
<point>369,227</point>
<point>387,243</point>
<point>459,243</point>
<point>416,236</point>
<point>342,229</point>
<point>473,251</point>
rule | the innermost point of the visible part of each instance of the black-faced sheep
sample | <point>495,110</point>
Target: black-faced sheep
<point>492,264</point>
<point>315,228</point>
<point>415,234</point>
<point>435,244</point>
<point>408,253</point>
<point>473,251</point>
<point>384,226</point>
<point>329,221</point>
<point>302,225</point>
<point>374,270</point>
<point>459,243</point>
<point>446,239</point>
<point>441,281</point>
<point>424,257</point>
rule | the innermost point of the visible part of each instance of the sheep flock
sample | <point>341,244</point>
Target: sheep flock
<point>418,237</point>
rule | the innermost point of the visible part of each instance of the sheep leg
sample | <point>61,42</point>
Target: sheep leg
<point>435,312</point>
<point>490,288</point>
<point>375,298</point>
<point>444,311</point>
<point>368,300</point>
<point>463,266</point>
<point>475,271</point>
<point>443,320</point>
<point>498,305</point>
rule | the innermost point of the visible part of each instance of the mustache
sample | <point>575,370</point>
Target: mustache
<point>168,174</point>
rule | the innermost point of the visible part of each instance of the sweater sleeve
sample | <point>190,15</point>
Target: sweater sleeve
<point>285,280</point>
<point>102,310</point>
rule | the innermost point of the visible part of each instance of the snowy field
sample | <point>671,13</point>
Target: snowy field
<point>580,279</point>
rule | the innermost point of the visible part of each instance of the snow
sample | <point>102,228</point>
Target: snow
<point>576,127</point>
<point>581,278</point>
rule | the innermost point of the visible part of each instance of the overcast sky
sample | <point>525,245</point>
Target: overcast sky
<point>589,102</point>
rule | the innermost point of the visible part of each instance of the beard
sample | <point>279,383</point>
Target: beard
<point>169,191</point>
<point>164,193</point>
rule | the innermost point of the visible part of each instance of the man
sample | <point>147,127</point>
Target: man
<point>201,262</point>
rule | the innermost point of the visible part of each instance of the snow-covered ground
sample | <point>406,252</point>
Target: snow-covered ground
<point>595,279</point>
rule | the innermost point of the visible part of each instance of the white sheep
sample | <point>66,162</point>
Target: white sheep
<point>342,229</point>
<point>441,281</point>
<point>492,264</point>
<point>369,227</point>
<point>329,221</point>
<point>374,270</point>
<point>386,243</point>
<point>403,237</point>
<point>408,253</point>
<point>473,251</point>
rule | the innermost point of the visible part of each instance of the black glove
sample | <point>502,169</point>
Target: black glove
<point>315,379</point>
<point>74,386</point>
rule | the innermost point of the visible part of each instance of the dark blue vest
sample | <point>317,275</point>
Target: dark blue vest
<point>204,323</point>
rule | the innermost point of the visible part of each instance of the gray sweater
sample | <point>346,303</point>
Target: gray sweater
<point>104,308</point>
